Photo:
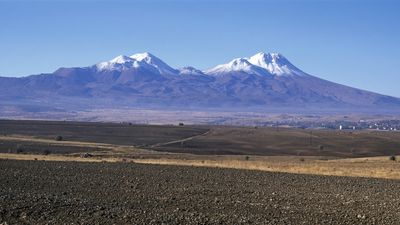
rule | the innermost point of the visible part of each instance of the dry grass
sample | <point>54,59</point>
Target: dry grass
<point>48,141</point>
<point>54,158</point>
<point>375,167</point>
<point>106,148</point>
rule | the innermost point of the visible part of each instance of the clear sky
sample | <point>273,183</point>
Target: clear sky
<point>352,42</point>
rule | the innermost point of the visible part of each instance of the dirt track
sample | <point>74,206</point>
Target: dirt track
<point>38,192</point>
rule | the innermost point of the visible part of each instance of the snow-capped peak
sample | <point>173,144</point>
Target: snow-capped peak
<point>263,64</point>
<point>238,64</point>
<point>119,63</point>
<point>152,60</point>
<point>190,71</point>
<point>121,59</point>
<point>275,63</point>
<point>259,64</point>
<point>140,60</point>
<point>142,56</point>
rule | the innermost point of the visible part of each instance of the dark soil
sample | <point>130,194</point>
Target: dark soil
<point>26,147</point>
<point>109,133</point>
<point>38,192</point>
<point>291,142</point>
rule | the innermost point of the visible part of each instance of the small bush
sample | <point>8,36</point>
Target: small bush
<point>86,155</point>
<point>247,157</point>
<point>301,159</point>
<point>59,138</point>
<point>392,158</point>
<point>181,124</point>
<point>321,147</point>
<point>46,152</point>
<point>19,149</point>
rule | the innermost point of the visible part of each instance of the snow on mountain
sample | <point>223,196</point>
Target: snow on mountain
<point>275,63</point>
<point>190,71</point>
<point>262,64</point>
<point>238,65</point>
<point>152,60</point>
<point>141,60</point>
<point>119,63</point>
<point>121,59</point>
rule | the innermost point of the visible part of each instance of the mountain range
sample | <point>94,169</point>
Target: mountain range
<point>262,81</point>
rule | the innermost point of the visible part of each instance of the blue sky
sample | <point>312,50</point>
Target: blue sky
<point>351,42</point>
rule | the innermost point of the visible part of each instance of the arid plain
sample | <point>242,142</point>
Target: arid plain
<point>92,173</point>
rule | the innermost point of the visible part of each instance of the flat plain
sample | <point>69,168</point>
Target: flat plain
<point>203,140</point>
<point>108,173</point>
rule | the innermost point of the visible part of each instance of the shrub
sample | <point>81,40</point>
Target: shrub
<point>46,152</point>
<point>392,158</point>
<point>301,159</point>
<point>86,155</point>
<point>19,149</point>
<point>247,157</point>
<point>59,138</point>
<point>181,124</point>
<point>321,147</point>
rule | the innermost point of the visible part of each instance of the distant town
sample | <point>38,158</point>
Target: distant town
<point>384,125</point>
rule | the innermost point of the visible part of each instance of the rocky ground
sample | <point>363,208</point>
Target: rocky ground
<point>39,192</point>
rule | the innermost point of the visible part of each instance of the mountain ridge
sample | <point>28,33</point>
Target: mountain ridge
<point>264,80</point>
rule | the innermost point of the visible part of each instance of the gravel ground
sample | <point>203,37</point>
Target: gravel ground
<point>38,192</point>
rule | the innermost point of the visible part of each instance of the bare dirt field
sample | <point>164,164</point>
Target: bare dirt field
<point>109,133</point>
<point>289,141</point>
<point>43,192</point>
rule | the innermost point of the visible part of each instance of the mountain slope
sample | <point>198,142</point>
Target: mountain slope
<point>264,81</point>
